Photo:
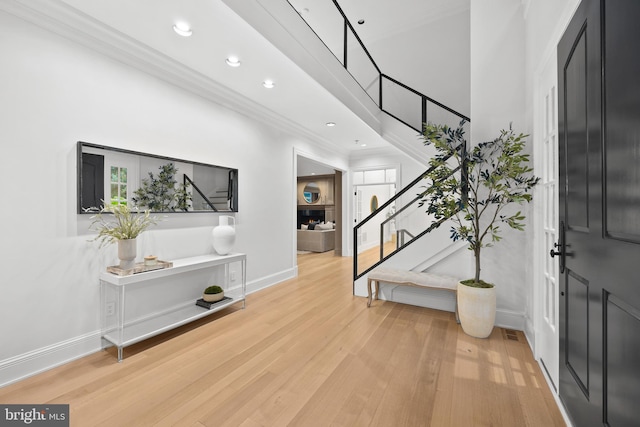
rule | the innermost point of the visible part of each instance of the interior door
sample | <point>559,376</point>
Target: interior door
<point>547,336</point>
<point>599,152</point>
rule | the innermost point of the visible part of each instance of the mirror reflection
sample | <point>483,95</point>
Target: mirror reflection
<point>311,192</point>
<point>146,181</point>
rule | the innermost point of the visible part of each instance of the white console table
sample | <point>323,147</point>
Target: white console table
<point>182,284</point>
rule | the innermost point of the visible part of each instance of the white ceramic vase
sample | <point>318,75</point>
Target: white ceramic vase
<point>224,235</point>
<point>127,253</point>
<point>477,310</point>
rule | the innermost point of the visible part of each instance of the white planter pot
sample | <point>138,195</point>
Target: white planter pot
<point>127,253</point>
<point>477,310</point>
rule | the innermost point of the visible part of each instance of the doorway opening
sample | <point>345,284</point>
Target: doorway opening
<point>318,208</point>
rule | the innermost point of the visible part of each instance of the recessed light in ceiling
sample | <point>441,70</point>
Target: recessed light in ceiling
<point>183,29</point>
<point>269,84</point>
<point>233,61</point>
<point>361,21</point>
<point>331,124</point>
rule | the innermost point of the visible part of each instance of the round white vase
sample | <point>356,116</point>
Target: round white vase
<point>477,310</point>
<point>224,235</point>
<point>127,253</point>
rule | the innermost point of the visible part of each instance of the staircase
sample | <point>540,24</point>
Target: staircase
<point>399,233</point>
<point>401,225</point>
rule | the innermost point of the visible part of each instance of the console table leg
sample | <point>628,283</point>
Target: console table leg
<point>119,354</point>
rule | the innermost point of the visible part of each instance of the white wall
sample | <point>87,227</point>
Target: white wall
<point>433,59</point>
<point>55,93</point>
<point>497,99</point>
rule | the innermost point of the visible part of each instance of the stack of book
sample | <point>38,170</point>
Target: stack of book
<point>210,305</point>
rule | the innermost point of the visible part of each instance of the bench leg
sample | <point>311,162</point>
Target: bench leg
<point>369,292</point>
<point>457,316</point>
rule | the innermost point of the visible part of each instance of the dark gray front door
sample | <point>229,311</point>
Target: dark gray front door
<point>599,149</point>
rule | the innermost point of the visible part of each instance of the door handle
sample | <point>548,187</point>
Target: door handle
<point>553,253</point>
<point>560,246</point>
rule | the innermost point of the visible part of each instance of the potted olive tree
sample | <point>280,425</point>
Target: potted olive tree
<point>122,227</point>
<point>492,176</point>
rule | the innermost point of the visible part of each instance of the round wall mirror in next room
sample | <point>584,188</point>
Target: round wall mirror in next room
<point>311,192</point>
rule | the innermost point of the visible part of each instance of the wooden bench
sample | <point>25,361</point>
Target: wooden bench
<point>411,278</point>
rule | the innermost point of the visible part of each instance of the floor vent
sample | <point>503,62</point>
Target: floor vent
<point>510,334</point>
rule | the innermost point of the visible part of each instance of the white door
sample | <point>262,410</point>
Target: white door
<point>546,165</point>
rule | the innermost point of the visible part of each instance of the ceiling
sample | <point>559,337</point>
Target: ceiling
<point>218,33</point>
<point>382,19</point>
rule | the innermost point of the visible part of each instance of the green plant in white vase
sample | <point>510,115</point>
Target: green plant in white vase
<point>213,293</point>
<point>124,226</point>
<point>498,176</point>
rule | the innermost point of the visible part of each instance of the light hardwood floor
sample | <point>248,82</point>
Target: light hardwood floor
<point>306,353</point>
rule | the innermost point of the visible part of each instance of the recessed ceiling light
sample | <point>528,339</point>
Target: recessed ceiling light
<point>363,145</point>
<point>331,124</point>
<point>233,61</point>
<point>361,21</point>
<point>183,29</point>
<point>269,84</point>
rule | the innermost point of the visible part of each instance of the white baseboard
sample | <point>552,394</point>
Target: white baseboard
<point>42,359</point>
<point>444,300</point>
<point>555,394</point>
<point>509,319</point>
<point>274,279</point>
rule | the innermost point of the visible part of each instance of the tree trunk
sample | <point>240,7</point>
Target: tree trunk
<point>476,253</point>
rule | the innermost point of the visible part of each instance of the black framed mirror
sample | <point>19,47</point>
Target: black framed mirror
<point>311,193</point>
<point>147,181</point>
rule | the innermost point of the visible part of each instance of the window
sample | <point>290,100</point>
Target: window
<point>118,185</point>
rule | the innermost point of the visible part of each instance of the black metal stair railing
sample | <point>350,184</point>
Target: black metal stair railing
<point>205,199</point>
<point>395,98</point>
<point>404,104</point>
<point>398,217</point>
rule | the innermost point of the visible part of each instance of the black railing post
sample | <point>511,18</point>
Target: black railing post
<point>355,255</point>
<point>424,113</point>
<point>380,99</point>
<point>464,175</point>
<point>382,240</point>
<point>345,42</point>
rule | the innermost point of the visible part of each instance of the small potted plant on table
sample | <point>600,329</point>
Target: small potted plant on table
<point>213,294</point>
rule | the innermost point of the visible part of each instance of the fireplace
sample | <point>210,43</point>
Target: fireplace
<point>307,215</point>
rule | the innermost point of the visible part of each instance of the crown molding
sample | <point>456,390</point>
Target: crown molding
<point>60,18</point>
